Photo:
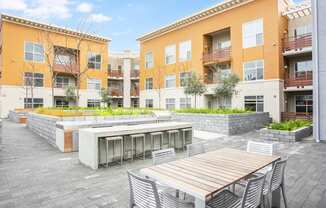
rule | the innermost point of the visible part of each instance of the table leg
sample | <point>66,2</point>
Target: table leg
<point>276,198</point>
<point>199,203</point>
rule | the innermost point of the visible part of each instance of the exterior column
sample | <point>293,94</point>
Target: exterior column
<point>126,82</point>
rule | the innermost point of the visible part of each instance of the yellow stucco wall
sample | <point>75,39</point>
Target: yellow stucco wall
<point>13,64</point>
<point>274,26</point>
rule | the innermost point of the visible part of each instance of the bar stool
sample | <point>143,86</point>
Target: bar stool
<point>155,135</point>
<point>184,137</point>
<point>174,133</point>
<point>113,140</point>
<point>134,139</point>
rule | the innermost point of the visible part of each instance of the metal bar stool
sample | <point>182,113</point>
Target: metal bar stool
<point>184,137</point>
<point>113,140</point>
<point>175,134</point>
<point>134,139</point>
<point>155,135</point>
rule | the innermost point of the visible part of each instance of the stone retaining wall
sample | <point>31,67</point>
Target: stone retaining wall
<point>18,116</point>
<point>286,136</point>
<point>225,123</point>
<point>45,126</point>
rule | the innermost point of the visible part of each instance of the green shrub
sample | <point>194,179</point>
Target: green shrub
<point>213,111</point>
<point>290,125</point>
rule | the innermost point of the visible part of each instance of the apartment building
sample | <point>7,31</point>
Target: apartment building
<point>267,43</point>
<point>38,61</point>
<point>123,79</point>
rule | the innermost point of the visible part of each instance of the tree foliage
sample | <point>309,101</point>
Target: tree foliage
<point>105,96</point>
<point>70,93</point>
<point>194,86</point>
<point>226,88</point>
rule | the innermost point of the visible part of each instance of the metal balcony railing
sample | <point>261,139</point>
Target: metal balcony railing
<point>217,56</point>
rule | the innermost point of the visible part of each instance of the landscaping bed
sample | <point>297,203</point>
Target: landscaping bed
<point>223,121</point>
<point>290,131</point>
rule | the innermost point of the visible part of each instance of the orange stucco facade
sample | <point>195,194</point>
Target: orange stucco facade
<point>274,27</point>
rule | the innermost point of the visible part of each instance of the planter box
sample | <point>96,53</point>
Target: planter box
<point>18,116</point>
<point>229,124</point>
<point>286,136</point>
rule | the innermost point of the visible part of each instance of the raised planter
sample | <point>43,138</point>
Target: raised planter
<point>286,136</point>
<point>229,124</point>
<point>18,116</point>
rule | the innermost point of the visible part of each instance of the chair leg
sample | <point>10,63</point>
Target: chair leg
<point>284,197</point>
<point>132,148</point>
<point>107,152</point>
<point>121,152</point>
<point>144,151</point>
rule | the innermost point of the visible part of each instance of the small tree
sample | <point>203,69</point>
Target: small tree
<point>70,93</point>
<point>226,88</point>
<point>194,86</point>
<point>105,97</point>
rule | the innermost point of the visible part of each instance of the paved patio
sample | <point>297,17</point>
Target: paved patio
<point>34,174</point>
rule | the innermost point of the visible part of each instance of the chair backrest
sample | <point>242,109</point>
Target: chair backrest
<point>195,149</point>
<point>261,148</point>
<point>252,194</point>
<point>163,156</point>
<point>143,192</point>
<point>277,175</point>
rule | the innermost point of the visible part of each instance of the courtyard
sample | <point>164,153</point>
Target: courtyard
<point>34,174</point>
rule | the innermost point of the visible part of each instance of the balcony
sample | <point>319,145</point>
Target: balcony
<point>115,74</point>
<point>297,44</point>
<point>217,56</point>
<point>66,68</point>
<point>115,92</point>
<point>286,116</point>
<point>134,74</point>
<point>298,79</point>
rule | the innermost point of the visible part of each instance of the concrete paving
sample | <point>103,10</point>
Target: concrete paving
<point>34,174</point>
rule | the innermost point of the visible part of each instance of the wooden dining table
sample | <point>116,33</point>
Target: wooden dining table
<point>206,174</point>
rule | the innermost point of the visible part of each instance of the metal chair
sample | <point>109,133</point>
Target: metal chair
<point>195,149</point>
<point>175,134</point>
<point>113,140</point>
<point>144,194</point>
<point>154,136</point>
<point>275,181</point>
<point>163,156</point>
<point>185,142</point>
<point>251,197</point>
<point>134,139</point>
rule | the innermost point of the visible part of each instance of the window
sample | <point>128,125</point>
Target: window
<point>254,103</point>
<point>94,84</point>
<point>303,66</point>
<point>91,103</point>
<point>135,103</point>
<point>119,67</point>
<point>170,54</point>
<point>61,82</point>
<point>94,61</point>
<point>185,103</point>
<point>184,76</point>
<point>170,81</point>
<point>34,52</point>
<point>33,102</point>
<point>252,33</point>
<point>149,83</point>
<point>170,103</point>
<point>303,30</point>
<point>33,79</point>
<point>61,103</point>
<point>149,103</point>
<point>253,70</point>
<point>185,51</point>
<point>149,62</point>
<point>303,103</point>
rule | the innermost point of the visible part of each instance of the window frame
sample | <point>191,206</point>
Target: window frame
<point>306,104</point>
<point>33,103</point>
<point>96,103</point>
<point>95,62</point>
<point>185,102</point>
<point>166,80</point>
<point>255,99</point>
<point>167,104</point>
<point>33,79</point>
<point>256,68</point>
<point>147,83</point>
<point>93,79</point>
<point>187,56</point>
<point>245,36</point>
<point>184,79</point>
<point>33,52</point>
<point>147,102</point>
<point>147,66</point>
<point>174,55</point>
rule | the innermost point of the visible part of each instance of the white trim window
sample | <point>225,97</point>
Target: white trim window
<point>170,103</point>
<point>170,81</point>
<point>254,103</point>
<point>34,79</point>
<point>93,84</point>
<point>253,33</point>
<point>61,82</point>
<point>149,103</point>
<point>303,30</point>
<point>253,70</point>
<point>185,103</point>
<point>170,54</point>
<point>34,52</point>
<point>185,51</point>
<point>33,102</point>
<point>149,61</point>
<point>93,103</point>
<point>184,76</point>
<point>149,83</point>
<point>94,61</point>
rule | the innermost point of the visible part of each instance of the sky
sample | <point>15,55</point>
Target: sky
<point>123,21</point>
